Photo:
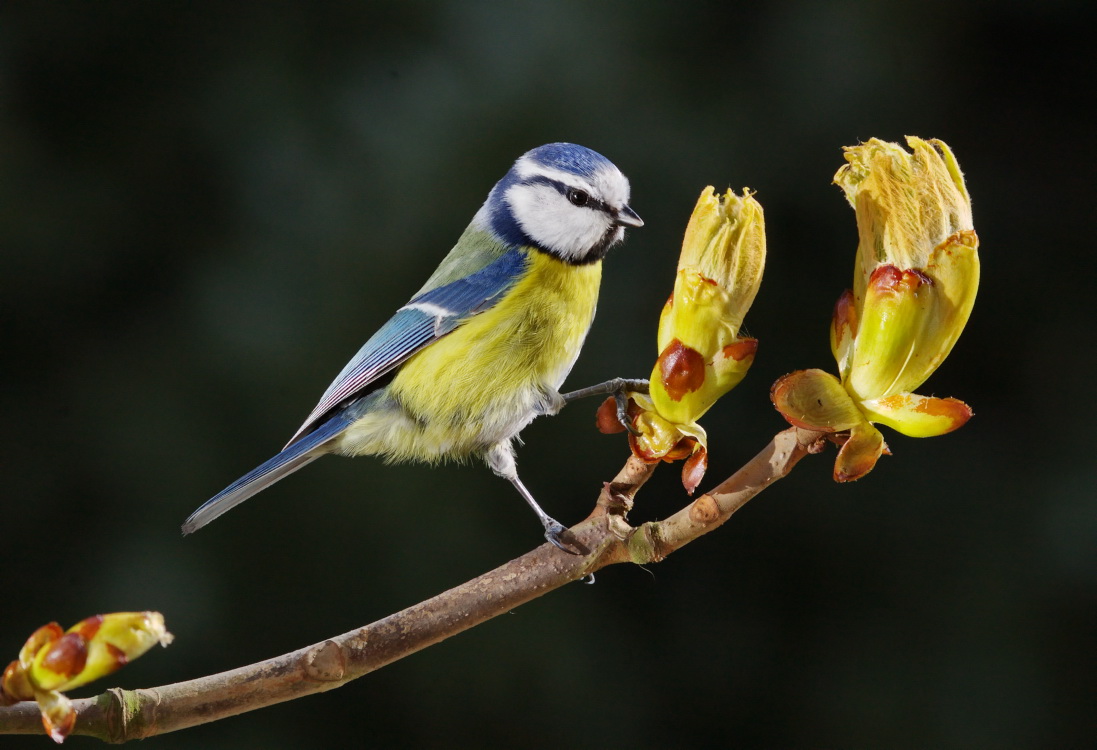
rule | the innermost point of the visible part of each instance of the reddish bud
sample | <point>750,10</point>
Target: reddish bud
<point>14,686</point>
<point>606,417</point>
<point>43,636</point>
<point>58,717</point>
<point>693,470</point>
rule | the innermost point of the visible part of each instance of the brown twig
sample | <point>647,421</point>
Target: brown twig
<point>120,715</point>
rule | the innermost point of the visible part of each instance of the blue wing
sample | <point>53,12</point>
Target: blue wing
<point>424,319</point>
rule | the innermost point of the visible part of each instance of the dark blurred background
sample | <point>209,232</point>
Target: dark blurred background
<point>205,208</point>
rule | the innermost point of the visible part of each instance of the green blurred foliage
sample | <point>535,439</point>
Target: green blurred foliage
<point>205,208</point>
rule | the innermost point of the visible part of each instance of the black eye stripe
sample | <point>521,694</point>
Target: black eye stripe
<point>563,189</point>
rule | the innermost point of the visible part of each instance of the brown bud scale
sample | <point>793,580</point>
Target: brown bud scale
<point>682,369</point>
<point>67,655</point>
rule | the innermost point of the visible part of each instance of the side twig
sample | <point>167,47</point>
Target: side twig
<point>121,715</point>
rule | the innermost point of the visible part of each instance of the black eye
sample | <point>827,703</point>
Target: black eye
<point>578,197</point>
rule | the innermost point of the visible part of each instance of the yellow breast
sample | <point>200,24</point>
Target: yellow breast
<point>529,339</point>
<point>482,383</point>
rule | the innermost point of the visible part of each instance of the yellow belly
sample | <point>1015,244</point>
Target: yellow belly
<point>481,384</point>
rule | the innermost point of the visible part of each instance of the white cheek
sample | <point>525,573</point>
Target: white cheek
<point>553,223</point>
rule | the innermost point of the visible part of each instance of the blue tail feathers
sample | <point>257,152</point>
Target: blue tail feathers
<point>292,458</point>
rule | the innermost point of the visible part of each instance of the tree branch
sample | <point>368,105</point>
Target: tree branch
<point>607,538</point>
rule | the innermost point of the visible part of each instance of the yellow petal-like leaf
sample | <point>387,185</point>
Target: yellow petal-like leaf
<point>911,319</point>
<point>954,268</point>
<point>892,318</point>
<point>918,416</point>
<point>815,400</point>
<point>859,454</point>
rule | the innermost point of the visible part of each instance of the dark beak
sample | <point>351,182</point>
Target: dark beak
<point>627,217</point>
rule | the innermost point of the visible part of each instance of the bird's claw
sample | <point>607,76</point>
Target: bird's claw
<point>621,398</point>
<point>561,538</point>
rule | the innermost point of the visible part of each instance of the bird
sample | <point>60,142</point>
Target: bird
<point>485,345</point>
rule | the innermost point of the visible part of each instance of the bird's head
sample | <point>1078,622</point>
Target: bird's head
<point>563,199</point>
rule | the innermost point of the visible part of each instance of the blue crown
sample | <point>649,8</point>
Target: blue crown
<point>569,157</point>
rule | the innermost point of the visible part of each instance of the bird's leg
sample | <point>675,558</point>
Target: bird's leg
<point>555,531</point>
<point>618,387</point>
<point>610,387</point>
<point>501,460</point>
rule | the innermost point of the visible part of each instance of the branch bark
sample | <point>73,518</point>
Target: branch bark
<point>607,538</point>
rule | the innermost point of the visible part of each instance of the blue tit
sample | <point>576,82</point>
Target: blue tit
<point>485,345</point>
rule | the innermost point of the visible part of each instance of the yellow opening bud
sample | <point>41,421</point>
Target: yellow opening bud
<point>53,660</point>
<point>701,355</point>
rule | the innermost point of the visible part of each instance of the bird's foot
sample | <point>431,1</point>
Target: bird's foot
<point>559,536</point>
<point>619,388</point>
<point>621,399</point>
